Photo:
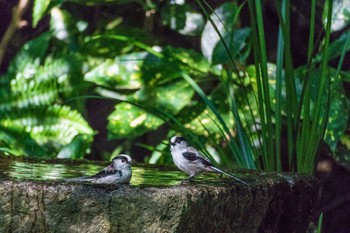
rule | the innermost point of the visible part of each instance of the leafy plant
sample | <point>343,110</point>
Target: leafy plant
<point>32,122</point>
<point>304,115</point>
<point>244,106</point>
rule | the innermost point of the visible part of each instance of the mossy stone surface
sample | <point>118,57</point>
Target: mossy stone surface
<point>272,203</point>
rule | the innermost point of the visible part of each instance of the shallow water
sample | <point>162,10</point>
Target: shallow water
<point>42,170</point>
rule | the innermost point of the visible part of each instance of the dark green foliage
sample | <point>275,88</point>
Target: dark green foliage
<point>32,122</point>
<point>227,99</point>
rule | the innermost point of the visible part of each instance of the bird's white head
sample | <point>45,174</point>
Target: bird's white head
<point>122,161</point>
<point>178,142</point>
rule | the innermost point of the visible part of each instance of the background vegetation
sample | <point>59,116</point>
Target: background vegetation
<point>254,85</point>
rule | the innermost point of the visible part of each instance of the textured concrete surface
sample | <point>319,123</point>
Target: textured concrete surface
<point>273,203</point>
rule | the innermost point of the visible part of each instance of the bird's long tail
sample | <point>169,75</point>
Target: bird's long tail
<point>78,179</point>
<point>217,170</point>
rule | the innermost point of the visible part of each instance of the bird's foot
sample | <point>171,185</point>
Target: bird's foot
<point>185,182</point>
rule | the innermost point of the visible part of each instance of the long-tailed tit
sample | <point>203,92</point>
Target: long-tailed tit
<point>118,172</point>
<point>190,161</point>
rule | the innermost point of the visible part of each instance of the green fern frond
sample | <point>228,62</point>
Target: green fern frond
<point>57,76</point>
<point>29,94</point>
<point>57,124</point>
<point>17,142</point>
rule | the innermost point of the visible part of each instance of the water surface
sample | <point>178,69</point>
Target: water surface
<point>44,170</point>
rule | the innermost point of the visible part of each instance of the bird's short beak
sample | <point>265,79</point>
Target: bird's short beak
<point>173,143</point>
<point>130,162</point>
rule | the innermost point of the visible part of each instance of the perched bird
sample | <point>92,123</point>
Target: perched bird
<point>118,172</point>
<point>190,161</point>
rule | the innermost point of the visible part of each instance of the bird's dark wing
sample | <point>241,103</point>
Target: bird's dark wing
<point>192,154</point>
<point>109,170</point>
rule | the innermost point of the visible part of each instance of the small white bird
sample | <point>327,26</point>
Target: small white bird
<point>118,172</point>
<point>190,161</point>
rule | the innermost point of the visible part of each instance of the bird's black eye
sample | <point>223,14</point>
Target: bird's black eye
<point>123,160</point>
<point>179,139</point>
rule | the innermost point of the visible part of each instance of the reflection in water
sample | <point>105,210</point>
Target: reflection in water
<point>142,176</point>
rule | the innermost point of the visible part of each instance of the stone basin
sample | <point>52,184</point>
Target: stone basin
<point>273,202</point>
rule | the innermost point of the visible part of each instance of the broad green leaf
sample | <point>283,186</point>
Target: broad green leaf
<point>187,60</point>
<point>237,44</point>
<point>183,19</point>
<point>76,149</point>
<point>199,119</point>
<point>338,116</point>
<point>340,15</point>
<point>42,7</point>
<point>339,109</point>
<point>346,76</point>
<point>175,61</point>
<point>205,124</point>
<point>336,47</point>
<point>105,47</point>
<point>134,70</point>
<point>129,121</point>
<point>115,41</point>
<point>39,9</point>
<point>124,72</point>
<point>171,97</point>
<point>224,18</point>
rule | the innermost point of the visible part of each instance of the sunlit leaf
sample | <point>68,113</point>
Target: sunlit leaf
<point>76,149</point>
<point>204,124</point>
<point>134,70</point>
<point>123,72</point>
<point>340,15</point>
<point>188,60</point>
<point>339,116</point>
<point>105,47</point>
<point>39,9</point>
<point>129,121</point>
<point>56,76</point>
<point>224,18</point>
<point>116,41</point>
<point>183,19</point>
<point>56,124</point>
<point>42,7</point>
<point>60,24</point>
